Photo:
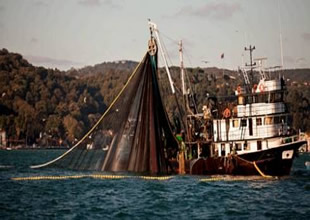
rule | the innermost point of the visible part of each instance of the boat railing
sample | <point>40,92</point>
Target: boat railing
<point>260,109</point>
<point>263,131</point>
<point>293,138</point>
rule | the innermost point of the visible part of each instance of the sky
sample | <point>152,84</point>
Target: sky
<point>75,33</point>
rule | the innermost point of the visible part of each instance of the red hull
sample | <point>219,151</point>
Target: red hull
<point>269,162</point>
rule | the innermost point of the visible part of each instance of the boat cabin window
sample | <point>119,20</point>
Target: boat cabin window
<point>258,121</point>
<point>243,122</point>
<point>232,148</point>
<point>277,120</point>
<point>262,97</point>
<point>235,123</point>
<point>255,98</point>
<point>289,119</point>
<point>246,146</point>
<point>271,97</point>
<point>238,146</point>
<point>279,97</point>
<point>283,119</point>
<point>215,151</point>
<point>268,120</point>
<point>222,149</point>
<point>271,120</point>
<point>259,145</point>
<point>249,100</point>
<point>241,100</point>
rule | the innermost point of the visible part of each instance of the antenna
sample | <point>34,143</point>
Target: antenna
<point>281,47</point>
<point>252,64</point>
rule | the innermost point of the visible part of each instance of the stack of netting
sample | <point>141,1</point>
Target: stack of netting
<point>134,134</point>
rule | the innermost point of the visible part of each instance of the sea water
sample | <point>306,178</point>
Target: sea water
<point>180,197</point>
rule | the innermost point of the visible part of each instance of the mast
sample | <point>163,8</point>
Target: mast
<point>153,28</point>
<point>252,64</point>
<point>182,67</point>
<point>184,90</point>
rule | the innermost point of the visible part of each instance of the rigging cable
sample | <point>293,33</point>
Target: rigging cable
<point>164,52</point>
<point>187,77</point>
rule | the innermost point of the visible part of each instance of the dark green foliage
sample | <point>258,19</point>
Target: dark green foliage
<point>299,105</point>
<point>36,102</point>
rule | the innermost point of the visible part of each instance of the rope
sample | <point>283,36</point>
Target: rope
<point>169,38</point>
<point>93,128</point>
<point>257,168</point>
<point>165,50</point>
<point>260,172</point>
<point>94,176</point>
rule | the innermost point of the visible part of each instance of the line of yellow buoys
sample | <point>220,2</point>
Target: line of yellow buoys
<point>100,176</point>
<point>95,176</point>
<point>236,178</point>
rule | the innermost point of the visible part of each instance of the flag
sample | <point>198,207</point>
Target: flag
<point>222,56</point>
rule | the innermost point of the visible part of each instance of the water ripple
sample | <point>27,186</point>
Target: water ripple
<point>181,197</point>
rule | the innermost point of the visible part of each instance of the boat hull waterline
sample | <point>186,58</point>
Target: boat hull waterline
<point>275,161</point>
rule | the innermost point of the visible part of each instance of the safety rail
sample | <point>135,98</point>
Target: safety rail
<point>260,109</point>
<point>264,131</point>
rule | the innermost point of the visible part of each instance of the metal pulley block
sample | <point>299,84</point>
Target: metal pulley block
<point>152,46</point>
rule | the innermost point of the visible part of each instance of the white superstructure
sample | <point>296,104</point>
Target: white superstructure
<point>258,122</point>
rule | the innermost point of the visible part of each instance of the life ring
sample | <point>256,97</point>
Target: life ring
<point>239,89</point>
<point>226,113</point>
<point>261,87</point>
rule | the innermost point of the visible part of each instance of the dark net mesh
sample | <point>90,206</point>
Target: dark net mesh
<point>134,134</point>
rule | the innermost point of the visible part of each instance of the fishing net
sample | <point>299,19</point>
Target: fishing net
<point>133,134</point>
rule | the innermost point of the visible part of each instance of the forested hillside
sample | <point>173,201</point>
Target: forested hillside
<point>48,106</point>
<point>44,103</point>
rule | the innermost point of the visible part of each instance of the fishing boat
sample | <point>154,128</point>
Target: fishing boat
<point>135,134</point>
<point>249,137</point>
